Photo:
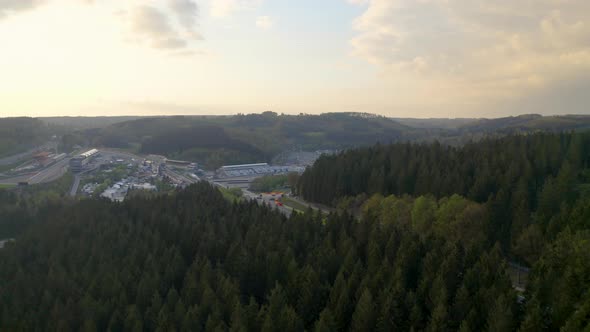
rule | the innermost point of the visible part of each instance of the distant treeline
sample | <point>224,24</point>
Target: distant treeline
<point>19,134</point>
<point>188,142</point>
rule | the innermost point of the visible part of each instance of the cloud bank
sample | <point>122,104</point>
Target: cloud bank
<point>264,22</point>
<point>168,24</point>
<point>14,6</point>
<point>171,27</point>
<point>484,49</point>
<point>225,8</point>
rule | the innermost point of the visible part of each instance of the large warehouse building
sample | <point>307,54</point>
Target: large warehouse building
<point>255,170</point>
<point>242,170</point>
<point>79,162</point>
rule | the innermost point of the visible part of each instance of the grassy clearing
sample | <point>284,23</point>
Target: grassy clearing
<point>5,168</point>
<point>6,186</point>
<point>293,204</point>
<point>232,194</point>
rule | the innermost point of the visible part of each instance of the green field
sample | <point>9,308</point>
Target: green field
<point>4,168</point>
<point>293,204</point>
<point>232,194</point>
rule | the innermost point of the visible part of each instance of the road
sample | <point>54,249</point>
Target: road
<point>48,174</point>
<point>51,173</point>
<point>18,157</point>
<point>519,275</point>
<point>324,209</point>
<point>179,178</point>
<point>268,199</point>
<point>242,182</point>
<point>75,185</point>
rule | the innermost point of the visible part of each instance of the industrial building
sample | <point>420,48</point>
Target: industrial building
<point>79,162</point>
<point>243,167</point>
<point>241,170</point>
<point>45,158</point>
<point>260,169</point>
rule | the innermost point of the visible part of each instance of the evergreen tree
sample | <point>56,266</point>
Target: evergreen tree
<point>363,318</point>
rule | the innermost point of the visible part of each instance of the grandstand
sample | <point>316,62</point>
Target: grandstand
<point>79,162</point>
<point>260,169</point>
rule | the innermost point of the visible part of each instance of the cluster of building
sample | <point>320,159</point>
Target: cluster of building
<point>148,168</point>
<point>259,169</point>
<point>89,188</point>
<point>119,190</point>
<point>139,174</point>
<point>146,171</point>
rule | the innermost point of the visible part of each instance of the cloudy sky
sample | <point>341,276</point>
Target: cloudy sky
<point>405,58</point>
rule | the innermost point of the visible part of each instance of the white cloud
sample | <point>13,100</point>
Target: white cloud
<point>172,27</point>
<point>478,48</point>
<point>264,22</point>
<point>151,26</point>
<point>187,13</point>
<point>225,8</point>
<point>164,25</point>
<point>13,6</point>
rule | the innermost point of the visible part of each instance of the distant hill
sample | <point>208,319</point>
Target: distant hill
<point>529,122</point>
<point>434,123</point>
<point>215,140</point>
<point>459,131</point>
<point>526,122</point>
<point>19,134</point>
<point>82,122</point>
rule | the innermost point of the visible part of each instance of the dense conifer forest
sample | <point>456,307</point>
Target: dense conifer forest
<point>421,252</point>
<point>194,261</point>
<point>530,184</point>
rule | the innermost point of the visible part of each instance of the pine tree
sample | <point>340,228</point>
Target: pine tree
<point>438,320</point>
<point>533,320</point>
<point>363,318</point>
<point>500,317</point>
<point>326,322</point>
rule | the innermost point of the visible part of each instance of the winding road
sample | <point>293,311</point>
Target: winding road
<point>47,174</point>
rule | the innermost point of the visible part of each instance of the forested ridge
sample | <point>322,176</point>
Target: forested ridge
<point>218,140</point>
<point>475,170</point>
<point>19,134</point>
<point>213,141</point>
<point>530,183</point>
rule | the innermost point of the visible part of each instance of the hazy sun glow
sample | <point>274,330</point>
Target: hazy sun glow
<point>429,58</point>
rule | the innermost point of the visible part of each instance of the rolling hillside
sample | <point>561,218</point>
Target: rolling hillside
<point>247,138</point>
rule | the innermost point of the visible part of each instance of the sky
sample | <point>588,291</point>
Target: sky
<point>399,58</point>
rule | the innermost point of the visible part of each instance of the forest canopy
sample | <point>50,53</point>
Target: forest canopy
<point>194,261</point>
<point>425,239</point>
<point>530,183</point>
